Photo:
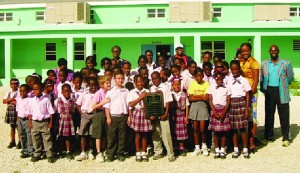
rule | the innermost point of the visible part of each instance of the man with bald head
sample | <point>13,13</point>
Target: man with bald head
<point>276,75</point>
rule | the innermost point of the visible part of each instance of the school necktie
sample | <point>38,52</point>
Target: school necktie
<point>236,81</point>
<point>221,86</point>
<point>140,103</point>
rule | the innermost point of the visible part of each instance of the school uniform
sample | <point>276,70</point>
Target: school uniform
<point>151,67</point>
<point>187,80</point>
<point>158,69</point>
<point>65,109</point>
<point>59,89</point>
<point>118,108</point>
<point>199,109</point>
<point>179,104</point>
<point>161,128</point>
<point>40,109</point>
<point>210,79</point>
<point>76,115</point>
<point>99,120</point>
<point>86,121</point>
<point>24,130</point>
<point>139,123</point>
<point>11,114</point>
<point>240,86</point>
<point>219,100</point>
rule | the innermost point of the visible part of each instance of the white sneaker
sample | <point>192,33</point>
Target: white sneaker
<point>205,151</point>
<point>196,152</point>
<point>81,157</point>
<point>90,155</point>
<point>100,158</point>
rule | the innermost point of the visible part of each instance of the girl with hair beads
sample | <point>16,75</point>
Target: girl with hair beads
<point>180,111</point>
<point>65,108</point>
<point>199,111</point>
<point>139,123</point>
<point>11,113</point>
<point>219,100</point>
<point>239,107</point>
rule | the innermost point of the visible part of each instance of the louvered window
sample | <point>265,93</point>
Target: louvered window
<point>296,45</point>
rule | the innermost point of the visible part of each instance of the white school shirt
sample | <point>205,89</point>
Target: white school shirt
<point>21,107</point>
<point>178,95</point>
<point>118,100</point>
<point>135,94</point>
<point>151,67</point>
<point>40,108</point>
<point>11,94</point>
<point>165,90</point>
<point>219,94</point>
<point>240,88</point>
<point>187,79</point>
<point>76,94</point>
<point>209,79</point>
<point>85,101</point>
<point>128,79</point>
<point>158,69</point>
<point>59,85</point>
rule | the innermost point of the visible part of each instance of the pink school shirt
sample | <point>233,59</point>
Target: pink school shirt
<point>118,100</point>
<point>85,101</point>
<point>99,96</point>
<point>40,108</point>
<point>22,104</point>
<point>239,88</point>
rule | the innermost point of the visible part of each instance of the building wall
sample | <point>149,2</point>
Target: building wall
<point>2,59</point>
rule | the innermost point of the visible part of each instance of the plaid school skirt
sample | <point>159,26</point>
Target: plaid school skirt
<point>11,114</point>
<point>237,113</point>
<point>66,125</point>
<point>139,123</point>
<point>180,126</point>
<point>217,125</point>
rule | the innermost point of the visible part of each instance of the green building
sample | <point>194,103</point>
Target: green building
<point>35,34</point>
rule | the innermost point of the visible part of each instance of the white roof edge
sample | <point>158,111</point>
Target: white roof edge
<point>141,2</point>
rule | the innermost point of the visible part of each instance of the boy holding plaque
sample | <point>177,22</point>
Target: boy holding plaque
<point>161,124</point>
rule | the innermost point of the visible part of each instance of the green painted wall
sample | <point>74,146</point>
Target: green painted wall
<point>235,13</point>
<point>127,14</point>
<point>188,43</point>
<point>2,59</point>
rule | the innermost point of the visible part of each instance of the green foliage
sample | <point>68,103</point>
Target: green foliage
<point>295,88</point>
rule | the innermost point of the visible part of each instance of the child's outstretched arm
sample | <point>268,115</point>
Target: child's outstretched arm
<point>100,104</point>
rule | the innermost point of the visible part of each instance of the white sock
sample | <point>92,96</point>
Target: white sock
<point>138,153</point>
<point>197,147</point>
<point>217,150</point>
<point>245,150</point>
<point>236,149</point>
<point>222,150</point>
<point>204,146</point>
<point>143,153</point>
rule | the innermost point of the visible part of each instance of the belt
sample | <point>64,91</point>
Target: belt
<point>117,115</point>
<point>43,120</point>
<point>24,118</point>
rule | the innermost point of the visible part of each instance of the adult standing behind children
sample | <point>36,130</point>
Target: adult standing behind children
<point>250,68</point>
<point>276,75</point>
<point>116,52</point>
<point>179,54</point>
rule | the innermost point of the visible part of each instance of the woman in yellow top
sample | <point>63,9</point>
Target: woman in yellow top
<point>250,68</point>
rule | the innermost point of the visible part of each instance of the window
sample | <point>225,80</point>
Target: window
<point>295,11</point>
<point>79,51</point>
<point>94,50</point>
<point>296,45</point>
<point>217,12</point>
<point>40,15</point>
<point>6,17</point>
<point>156,13</point>
<point>216,47</point>
<point>92,17</point>
<point>50,51</point>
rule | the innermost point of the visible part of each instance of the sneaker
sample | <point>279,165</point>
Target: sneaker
<point>91,155</point>
<point>286,143</point>
<point>24,155</point>
<point>157,156</point>
<point>19,145</point>
<point>171,158</point>
<point>246,155</point>
<point>121,157</point>
<point>222,155</point>
<point>69,156</point>
<point>51,159</point>
<point>81,157</point>
<point>35,159</point>
<point>235,155</point>
<point>205,152</point>
<point>145,158</point>
<point>217,155</point>
<point>196,152</point>
<point>138,158</point>
<point>100,158</point>
<point>183,152</point>
<point>11,144</point>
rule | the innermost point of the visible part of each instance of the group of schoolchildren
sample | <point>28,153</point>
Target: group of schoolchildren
<point>100,106</point>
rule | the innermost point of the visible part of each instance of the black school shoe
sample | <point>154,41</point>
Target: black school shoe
<point>121,157</point>
<point>35,159</point>
<point>11,144</point>
<point>19,145</point>
<point>24,155</point>
<point>109,158</point>
<point>51,159</point>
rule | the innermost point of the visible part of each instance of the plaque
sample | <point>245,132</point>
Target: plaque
<point>154,105</point>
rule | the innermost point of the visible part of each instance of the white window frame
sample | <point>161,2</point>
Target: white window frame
<point>156,13</point>
<point>296,12</point>
<point>50,52</point>
<point>217,12</point>
<point>41,16</point>
<point>79,52</point>
<point>6,17</point>
<point>213,50</point>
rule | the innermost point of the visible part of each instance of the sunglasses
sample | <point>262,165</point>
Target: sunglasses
<point>179,48</point>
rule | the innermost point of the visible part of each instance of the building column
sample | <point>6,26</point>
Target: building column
<point>70,52</point>
<point>197,49</point>
<point>89,46</point>
<point>257,47</point>
<point>8,58</point>
<point>176,41</point>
